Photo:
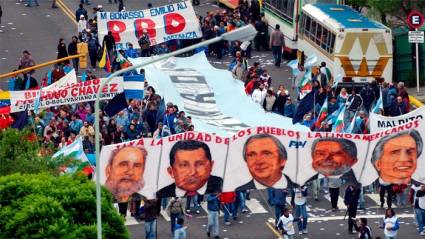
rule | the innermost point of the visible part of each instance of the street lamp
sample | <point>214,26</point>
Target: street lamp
<point>245,33</point>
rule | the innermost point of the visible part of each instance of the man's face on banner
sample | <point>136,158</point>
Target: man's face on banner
<point>125,172</point>
<point>398,160</point>
<point>330,158</point>
<point>191,169</point>
<point>263,161</point>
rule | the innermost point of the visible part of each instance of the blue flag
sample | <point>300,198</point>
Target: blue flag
<point>116,104</point>
<point>305,106</point>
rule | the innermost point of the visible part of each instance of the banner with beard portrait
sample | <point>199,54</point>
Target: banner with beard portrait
<point>130,167</point>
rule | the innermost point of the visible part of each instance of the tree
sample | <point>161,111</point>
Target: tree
<point>45,206</point>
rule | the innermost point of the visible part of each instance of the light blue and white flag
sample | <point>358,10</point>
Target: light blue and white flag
<point>294,66</point>
<point>133,86</point>
<point>337,79</point>
<point>379,104</point>
<point>310,61</point>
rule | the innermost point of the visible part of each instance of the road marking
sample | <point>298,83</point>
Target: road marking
<point>164,214</point>
<point>340,203</point>
<point>375,197</point>
<point>66,11</point>
<point>255,206</point>
<point>404,215</point>
<point>275,232</point>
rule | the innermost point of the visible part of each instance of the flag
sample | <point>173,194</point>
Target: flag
<point>21,120</point>
<point>116,104</point>
<point>37,101</point>
<point>322,114</point>
<point>305,106</point>
<point>76,152</point>
<point>134,86</point>
<point>306,84</point>
<point>337,79</point>
<point>379,104</point>
<point>67,69</point>
<point>352,124</point>
<point>310,61</point>
<point>102,61</point>
<point>4,102</point>
<point>339,123</point>
<point>124,63</point>
<point>107,67</point>
<point>84,76</point>
<point>294,66</point>
<point>49,77</point>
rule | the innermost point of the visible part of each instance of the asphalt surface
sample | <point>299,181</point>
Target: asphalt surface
<point>38,29</point>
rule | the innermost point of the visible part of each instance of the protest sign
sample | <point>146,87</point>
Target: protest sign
<point>379,122</point>
<point>270,157</point>
<point>164,23</point>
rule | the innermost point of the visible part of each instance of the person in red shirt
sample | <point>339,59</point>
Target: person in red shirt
<point>229,205</point>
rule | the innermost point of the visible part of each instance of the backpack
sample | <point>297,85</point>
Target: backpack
<point>175,207</point>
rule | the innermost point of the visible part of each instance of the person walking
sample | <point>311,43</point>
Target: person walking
<point>228,199</point>
<point>180,232</point>
<point>175,210</point>
<point>213,205</point>
<point>277,41</point>
<point>286,224</point>
<point>351,199</point>
<point>390,224</point>
<point>334,184</point>
<point>278,200</point>
<point>72,51</point>
<point>417,197</point>
<point>152,209</point>
<point>385,187</point>
<point>62,51</point>
<point>300,202</point>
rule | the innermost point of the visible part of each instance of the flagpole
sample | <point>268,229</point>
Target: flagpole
<point>243,33</point>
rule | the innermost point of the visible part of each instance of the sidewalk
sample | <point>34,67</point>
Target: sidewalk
<point>420,96</point>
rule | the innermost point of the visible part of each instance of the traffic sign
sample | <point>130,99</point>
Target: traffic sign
<point>416,37</point>
<point>415,19</point>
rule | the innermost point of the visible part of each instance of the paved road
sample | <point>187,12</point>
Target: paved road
<point>322,222</point>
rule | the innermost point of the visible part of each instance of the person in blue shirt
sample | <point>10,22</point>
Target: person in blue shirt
<point>213,205</point>
<point>131,52</point>
<point>76,123</point>
<point>289,108</point>
<point>90,115</point>
<point>169,117</point>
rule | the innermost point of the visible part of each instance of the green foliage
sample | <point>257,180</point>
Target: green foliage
<point>45,206</point>
<point>20,155</point>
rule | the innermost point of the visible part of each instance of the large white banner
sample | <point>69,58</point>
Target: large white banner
<point>260,157</point>
<point>70,94</point>
<point>379,122</point>
<point>164,23</point>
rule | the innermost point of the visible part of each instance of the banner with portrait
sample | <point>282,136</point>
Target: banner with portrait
<point>193,163</point>
<point>164,23</point>
<point>379,122</point>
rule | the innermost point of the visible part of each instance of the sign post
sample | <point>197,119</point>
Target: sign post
<point>415,20</point>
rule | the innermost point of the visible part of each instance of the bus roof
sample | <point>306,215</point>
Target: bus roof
<point>343,15</point>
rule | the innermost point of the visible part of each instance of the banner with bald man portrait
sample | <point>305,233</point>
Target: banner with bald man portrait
<point>194,163</point>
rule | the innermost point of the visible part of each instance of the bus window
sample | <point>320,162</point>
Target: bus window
<point>313,30</point>
<point>323,40</point>
<point>319,34</point>
<point>307,25</point>
<point>281,8</point>
<point>332,43</point>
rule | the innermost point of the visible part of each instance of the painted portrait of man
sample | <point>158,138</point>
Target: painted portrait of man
<point>190,165</point>
<point>265,157</point>
<point>333,156</point>
<point>395,156</point>
<point>124,172</point>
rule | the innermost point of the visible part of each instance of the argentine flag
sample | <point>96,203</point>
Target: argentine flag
<point>133,86</point>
